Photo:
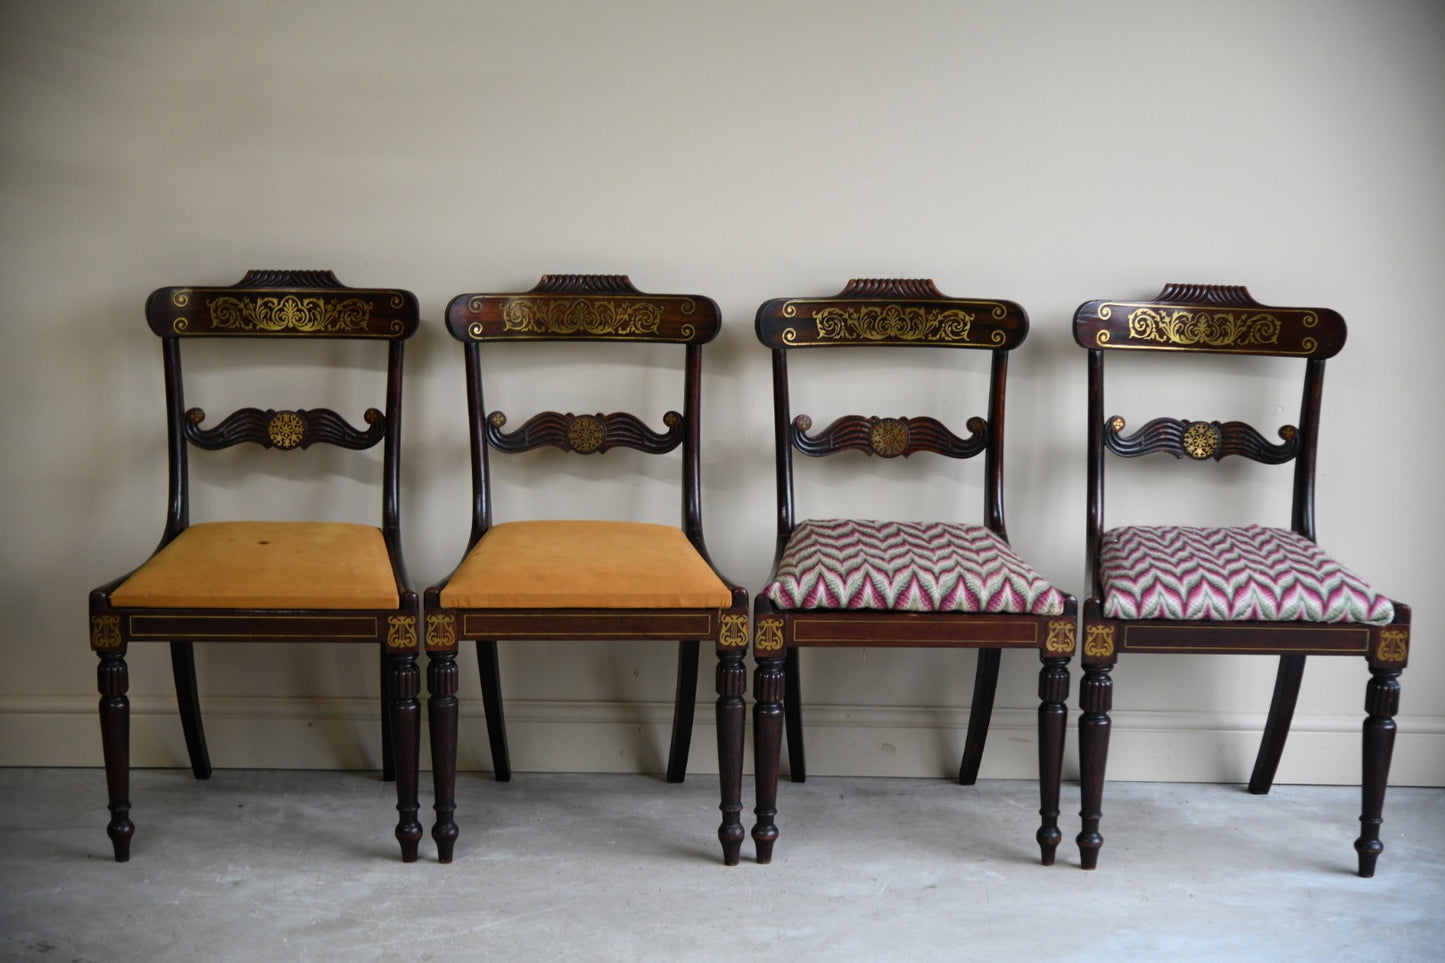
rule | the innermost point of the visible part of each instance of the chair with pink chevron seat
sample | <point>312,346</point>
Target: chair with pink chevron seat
<point>860,582</point>
<point>1225,589</point>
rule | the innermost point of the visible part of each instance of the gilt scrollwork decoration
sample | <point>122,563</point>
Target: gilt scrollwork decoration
<point>401,632</point>
<point>1099,641</point>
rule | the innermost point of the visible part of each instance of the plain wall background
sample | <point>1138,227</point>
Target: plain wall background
<point>1047,152</point>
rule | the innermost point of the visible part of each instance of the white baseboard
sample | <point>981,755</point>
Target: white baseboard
<point>556,736</point>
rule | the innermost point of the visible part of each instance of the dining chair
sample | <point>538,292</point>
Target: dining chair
<point>583,578</point>
<point>1225,589</point>
<point>882,583</point>
<point>291,582</point>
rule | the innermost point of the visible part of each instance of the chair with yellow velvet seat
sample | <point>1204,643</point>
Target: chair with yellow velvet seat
<point>262,581</point>
<point>586,579</point>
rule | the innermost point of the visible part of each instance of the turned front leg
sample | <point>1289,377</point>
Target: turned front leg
<point>1096,697</point>
<point>113,680</point>
<point>1053,717</point>
<point>441,684</point>
<point>1382,701</point>
<point>403,683</point>
<point>768,683</point>
<point>732,682</point>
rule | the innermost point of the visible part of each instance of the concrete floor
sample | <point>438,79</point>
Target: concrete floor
<point>287,865</point>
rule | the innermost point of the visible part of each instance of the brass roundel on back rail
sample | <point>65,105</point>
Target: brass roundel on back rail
<point>1201,440</point>
<point>286,429</point>
<point>888,437</point>
<point>585,434</point>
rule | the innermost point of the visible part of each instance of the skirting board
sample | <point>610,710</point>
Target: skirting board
<point>553,736</point>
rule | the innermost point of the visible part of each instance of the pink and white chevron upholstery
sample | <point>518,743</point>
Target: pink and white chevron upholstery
<point>907,566</point>
<point>1238,574</point>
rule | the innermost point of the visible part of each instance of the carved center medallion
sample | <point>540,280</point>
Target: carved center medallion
<point>585,434</point>
<point>1201,440</point>
<point>888,437</point>
<point>286,429</point>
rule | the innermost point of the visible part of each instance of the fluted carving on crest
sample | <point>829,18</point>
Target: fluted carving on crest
<point>1231,294</point>
<point>288,278</point>
<point>585,284</point>
<point>890,288</point>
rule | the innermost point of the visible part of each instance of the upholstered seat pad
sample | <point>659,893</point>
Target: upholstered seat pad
<point>909,566</point>
<point>584,564</point>
<point>266,565</point>
<point>1248,573</point>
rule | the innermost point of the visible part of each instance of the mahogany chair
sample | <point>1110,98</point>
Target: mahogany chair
<point>1245,589</point>
<point>586,579</point>
<point>859,582</point>
<point>259,581</point>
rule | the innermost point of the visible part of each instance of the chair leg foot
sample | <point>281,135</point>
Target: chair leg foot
<point>768,688</point>
<point>1053,721</point>
<point>985,684</point>
<point>1382,701</point>
<point>732,682</point>
<point>113,680</point>
<point>1096,699</point>
<point>442,678</point>
<point>683,707</point>
<point>402,685</point>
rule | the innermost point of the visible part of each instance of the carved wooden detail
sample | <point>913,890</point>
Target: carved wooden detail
<point>1201,440</point>
<point>888,437</point>
<point>585,434</point>
<point>284,429</point>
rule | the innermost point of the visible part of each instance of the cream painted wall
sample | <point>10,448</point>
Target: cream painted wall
<point>1048,152</point>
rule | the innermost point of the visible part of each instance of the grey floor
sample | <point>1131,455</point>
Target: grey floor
<point>271,865</point>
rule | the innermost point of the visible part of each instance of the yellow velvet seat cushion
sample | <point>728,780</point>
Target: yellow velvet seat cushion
<point>584,564</point>
<point>266,565</point>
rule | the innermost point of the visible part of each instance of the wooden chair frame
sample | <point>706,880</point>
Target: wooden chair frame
<point>910,314</point>
<point>1224,320</point>
<point>276,306</point>
<point>601,309</point>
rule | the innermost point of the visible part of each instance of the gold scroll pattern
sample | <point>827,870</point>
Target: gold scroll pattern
<point>734,632</point>
<point>596,316</point>
<point>105,632</point>
<point>1099,641</point>
<point>287,312</point>
<point>1394,645</point>
<point>402,632</point>
<point>893,322</point>
<point>441,630</point>
<point>770,635</point>
<point>1212,329</point>
<point>1060,640</point>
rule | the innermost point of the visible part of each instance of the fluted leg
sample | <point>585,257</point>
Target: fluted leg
<point>683,708</point>
<point>793,716</point>
<point>1096,698</point>
<point>113,680</point>
<point>1276,726</point>
<point>985,683</point>
<point>732,683</point>
<point>1382,701</point>
<point>442,678</point>
<point>1053,716</point>
<point>492,706</point>
<point>402,683</point>
<point>183,669</point>
<point>388,739</point>
<point>768,686</point>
